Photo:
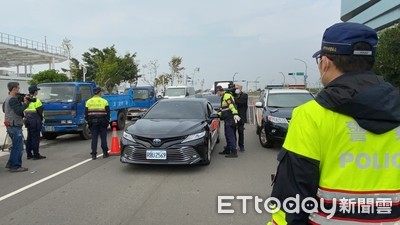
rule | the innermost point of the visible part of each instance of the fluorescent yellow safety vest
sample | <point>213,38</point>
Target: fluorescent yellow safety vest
<point>97,106</point>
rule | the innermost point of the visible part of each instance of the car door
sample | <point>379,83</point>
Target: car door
<point>213,125</point>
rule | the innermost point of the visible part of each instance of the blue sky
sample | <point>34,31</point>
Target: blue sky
<point>258,39</point>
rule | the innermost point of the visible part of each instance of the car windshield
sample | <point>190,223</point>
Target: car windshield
<point>140,94</point>
<point>56,92</point>
<point>176,110</point>
<point>175,92</point>
<point>288,100</point>
<point>214,99</point>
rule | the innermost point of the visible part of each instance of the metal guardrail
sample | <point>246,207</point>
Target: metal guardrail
<point>33,45</point>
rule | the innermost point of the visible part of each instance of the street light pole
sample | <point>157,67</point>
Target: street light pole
<point>233,78</point>
<point>284,81</point>
<point>305,75</point>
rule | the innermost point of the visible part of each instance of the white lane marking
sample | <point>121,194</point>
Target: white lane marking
<point>45,179</point>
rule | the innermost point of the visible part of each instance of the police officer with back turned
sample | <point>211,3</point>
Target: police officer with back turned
<point>97,115</point>
<point>341,151</point>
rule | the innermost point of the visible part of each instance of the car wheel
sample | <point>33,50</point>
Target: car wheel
<point>264,141</point>
<point>207,160</point>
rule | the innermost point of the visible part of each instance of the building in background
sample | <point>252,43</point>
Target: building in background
<point>377,14</point>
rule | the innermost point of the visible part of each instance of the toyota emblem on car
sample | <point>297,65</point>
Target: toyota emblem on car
<point>156,142</point>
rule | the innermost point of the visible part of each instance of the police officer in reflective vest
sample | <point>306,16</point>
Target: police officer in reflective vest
<point>342,149</point>
<point>229,114</point>
<point>97,115</point>
<point>33,122</point>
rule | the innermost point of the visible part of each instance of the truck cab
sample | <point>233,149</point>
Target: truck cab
<point>143,98</point>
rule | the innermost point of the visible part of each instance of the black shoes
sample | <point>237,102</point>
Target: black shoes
<point>19,169</point>
<point>224,152</point>
<point>106,155</point>
<point>94,157</point>
<point>36,157</point>
<point>8,166</point>
<point>39,157</point>
<point>232,155</point>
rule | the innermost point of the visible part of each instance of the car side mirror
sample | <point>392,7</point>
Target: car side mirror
<point>258,105</point>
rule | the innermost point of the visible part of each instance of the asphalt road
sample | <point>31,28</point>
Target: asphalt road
<point>81,191</point>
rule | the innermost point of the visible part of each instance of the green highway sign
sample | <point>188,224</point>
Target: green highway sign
<point>296,74</point>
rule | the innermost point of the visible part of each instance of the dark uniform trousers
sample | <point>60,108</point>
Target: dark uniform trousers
<point>99,129</point>
<point>34,127</point>
<point>240,129</point>
<point>230,136</point>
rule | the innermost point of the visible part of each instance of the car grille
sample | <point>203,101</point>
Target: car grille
<point>183,155</point>
<point>163,140</point>
<point>57,113</point>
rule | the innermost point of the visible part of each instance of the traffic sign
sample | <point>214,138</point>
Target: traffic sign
<point>296,74</point>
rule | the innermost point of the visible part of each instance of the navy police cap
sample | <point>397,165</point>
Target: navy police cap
<point>340,38</point>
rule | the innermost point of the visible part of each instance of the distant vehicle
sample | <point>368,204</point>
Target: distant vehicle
<point>143,98</point>
<point>173,131</point>
<point>64,108</point>
<point>224,84</point>
<point>215,100</point>
<point>179,92</point>
<point>274,111</point>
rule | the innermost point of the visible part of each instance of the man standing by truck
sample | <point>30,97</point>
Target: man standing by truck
<point>97,115</point>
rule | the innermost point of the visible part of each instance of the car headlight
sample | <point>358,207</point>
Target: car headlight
<point>128,137</point>
<point>277,119</point>
<point>194,136</point>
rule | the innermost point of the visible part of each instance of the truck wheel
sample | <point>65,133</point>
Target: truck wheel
<point>121,118</point>
<point>85,133</point>
<point>49,136</point>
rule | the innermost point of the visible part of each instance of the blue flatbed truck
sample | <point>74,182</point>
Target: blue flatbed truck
<point>64,108</point>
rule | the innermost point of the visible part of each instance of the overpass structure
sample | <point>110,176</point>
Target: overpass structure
<point>17,51</point>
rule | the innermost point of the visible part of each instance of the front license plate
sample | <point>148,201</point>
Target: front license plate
<point>49,128</point>
<point>156,154</point>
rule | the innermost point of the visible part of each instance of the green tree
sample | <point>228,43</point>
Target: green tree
<point>106,68</point>
<point>387,61</point>
<point>176,69</point>
<point>48,76</point>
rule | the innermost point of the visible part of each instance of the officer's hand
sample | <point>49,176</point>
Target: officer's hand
<point>236,118</point>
